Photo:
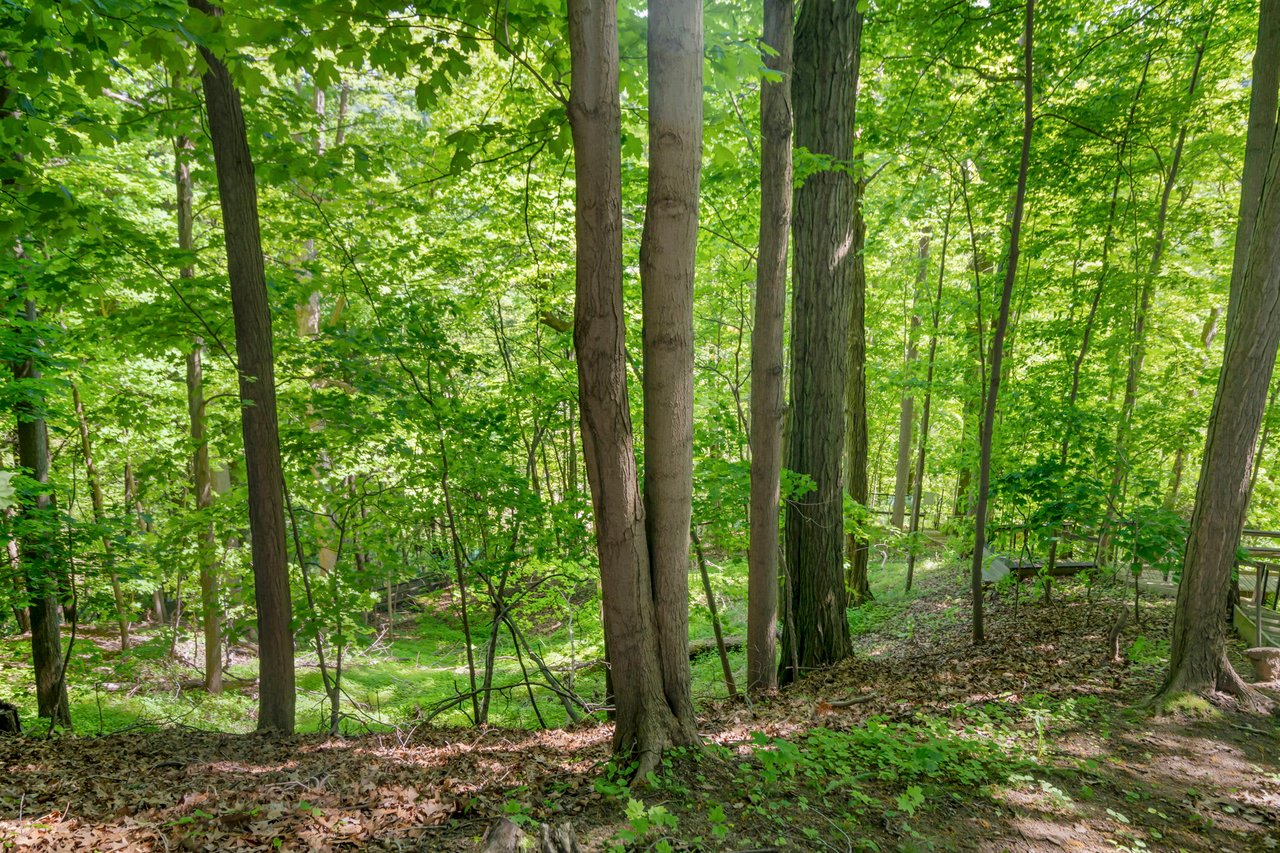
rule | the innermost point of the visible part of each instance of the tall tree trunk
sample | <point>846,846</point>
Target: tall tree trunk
<point>668,251</point>
<point>857,549</point>
<point>1138,352</point>
<point>38,558</point>
<point>645,723</point>
<point>906,410</point>
<point>921,456</point>
<point>768,403</point>
<point>1198,661</point>
<point>100,515</point>
<point>824,87</point>
<point>1002,324</point>
<point>201,476</point>
<point>252,314</point>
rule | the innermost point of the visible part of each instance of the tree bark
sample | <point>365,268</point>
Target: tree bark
<point>252,315</point>
<point>645,723</point>
<point>37,553</point>
<point>824,87</point>
<point>668,251</point>
<point>768,403</point>
<point>1198,661</point>
<point>1002,324</point>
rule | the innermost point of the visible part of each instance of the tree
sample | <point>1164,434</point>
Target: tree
<point>645,722</point>
<point>767,391</point>
<point>1198,661</point>
<point>1002,323</point>
<point>38,553</point>
<point>668,252</point>
<point>824,88</point>
<point>237,194</point>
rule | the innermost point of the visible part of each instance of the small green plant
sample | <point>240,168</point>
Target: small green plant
<point>649,824</point>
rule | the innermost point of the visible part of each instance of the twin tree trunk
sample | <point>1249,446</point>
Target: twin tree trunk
<point>1002,325</point>
<point>668,251</point>
<point>1198,661</point>
<point>824,88</point>
<point>252,315</point>
<point>647,720</point>
<point>767,402</point>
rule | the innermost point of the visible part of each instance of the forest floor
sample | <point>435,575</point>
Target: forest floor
<point>1033,741</point>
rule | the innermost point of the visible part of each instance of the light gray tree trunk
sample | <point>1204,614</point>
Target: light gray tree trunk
<point>668,252</point>
<point>1002,324</point>
<point>645,724</point>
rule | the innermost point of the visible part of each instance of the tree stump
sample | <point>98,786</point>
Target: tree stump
<point>1266,662</point>
<point>9,722</point>
<point>503,836</point>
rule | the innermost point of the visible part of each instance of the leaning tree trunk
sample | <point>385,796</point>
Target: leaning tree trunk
<point>252,315</point>
<point>1002,325</point>
<point>38,559</point>
<point>667,257</point>
<point>1198,661</point>
<point>767,397</point>
<point>824,86</point>
<point>645,724</point>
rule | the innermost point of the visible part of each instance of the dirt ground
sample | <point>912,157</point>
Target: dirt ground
<point>1112,778</point>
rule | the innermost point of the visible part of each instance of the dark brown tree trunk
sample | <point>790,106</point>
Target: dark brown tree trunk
<point>768,403</point>
<point>38,559</point>
<point>824,88</point>
<point>1198,661</point>
<point>252,314</point>
<point>1002,324</point>
<point>645,723</point>
<point>668,251</point>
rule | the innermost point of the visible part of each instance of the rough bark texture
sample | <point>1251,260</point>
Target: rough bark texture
<point>824,89</point>
<point>667,255</point>
<point>1198,661</point>
<point>644,723</point>
<point>768,403</point>
<point>37,556</point>
<point>1002,325</point>
<point>252,314</point>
